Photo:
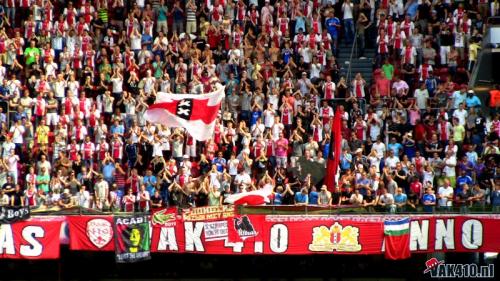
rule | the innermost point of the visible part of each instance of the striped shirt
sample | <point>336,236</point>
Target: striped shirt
<point>103,15</point>
<point>190,14</point>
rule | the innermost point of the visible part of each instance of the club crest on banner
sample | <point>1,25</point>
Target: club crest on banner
<point>163,218</point>
<point>244,227</point>
<point>99,232</point>
<point>336,238</point>
<point>184,108</point>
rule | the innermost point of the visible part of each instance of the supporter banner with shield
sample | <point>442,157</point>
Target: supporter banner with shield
<point>91,233</point>
<point>132,238</point>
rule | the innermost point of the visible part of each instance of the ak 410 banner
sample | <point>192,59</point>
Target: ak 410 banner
<point>302,235</point>
<point>209,230</point>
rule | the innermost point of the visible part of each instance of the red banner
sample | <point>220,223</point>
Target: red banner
<point>30,239</point>
<point>258,234</point>
<point>91,233</point>
<point>302,235</point>
<point>454,234</point>
<point>39,238</point>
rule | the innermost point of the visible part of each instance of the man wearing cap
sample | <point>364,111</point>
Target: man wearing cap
<point>65,201</point>
<point>472,100</point>
<point>305,85</point>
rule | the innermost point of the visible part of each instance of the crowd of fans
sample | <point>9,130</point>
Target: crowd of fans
<point>77,78</point>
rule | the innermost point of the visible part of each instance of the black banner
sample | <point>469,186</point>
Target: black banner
<point>10,215</point>
<point>132,238</point>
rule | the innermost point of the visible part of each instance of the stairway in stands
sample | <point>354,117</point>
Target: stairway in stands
<point>363,66</point>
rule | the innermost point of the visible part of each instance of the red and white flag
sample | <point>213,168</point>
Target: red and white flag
<point>195,113</point>
<point>255,197</point>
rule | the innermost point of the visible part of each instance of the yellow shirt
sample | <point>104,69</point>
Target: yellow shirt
<point>42,133</point>
<point>458,133</point>
<point>473,50</point>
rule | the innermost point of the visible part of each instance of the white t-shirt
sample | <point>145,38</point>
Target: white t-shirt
<point>233,166</point>
<point>443,192</point>
<point>450,170</point>
<point>17,134</point>
<point>135,42</point>
<point>117,84</point>
<point>421,96</point>
<point>391,162</point>
<point>347,9</point>
<point>380,149</point>
<point>461,115</point>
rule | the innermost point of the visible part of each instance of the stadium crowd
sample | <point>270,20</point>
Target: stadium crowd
<point>77,77</point>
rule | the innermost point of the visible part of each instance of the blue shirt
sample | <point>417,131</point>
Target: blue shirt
<point>363,182</point>
<point>430,198</point>
<point>395,147</point>
<point>287,54</point>
<point>147,40</point>
<point>300,23</point>
<point>313,197</point>
<point>463,180</point>
<point>400,198</point>
<point>495,198</point>
<point>412,10</point>
<point>18,116</point>
<point>301,198</point>
<point>117,129</point>
<point>150,181</point>
<point>108,170</point>
<point>254,117</point>
<point>472,101</point>
<point>330,26</point>
<point>344,164</point>
<point>278,199</point>
<point>220,163</point>
<point>326,149</point>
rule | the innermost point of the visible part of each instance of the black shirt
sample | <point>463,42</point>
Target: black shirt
<point>423,11</point>
<point>336,198</point>
<point>462,197</point>
<point>156,199</point>
<point>403,183</point>
<point>18,197</point>
<point>77,167</point>
<point>446,38</point>
<point>8,186</point>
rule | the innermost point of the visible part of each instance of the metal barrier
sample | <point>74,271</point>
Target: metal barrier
<point>289,210</point>
<point>346,210</point>
<point>349,70</point>
<point>333,103</point>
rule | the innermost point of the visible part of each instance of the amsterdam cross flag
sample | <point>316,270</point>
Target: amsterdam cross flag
<point>195,113</point>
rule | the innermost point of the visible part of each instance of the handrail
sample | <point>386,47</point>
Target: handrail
<point>349,70</point>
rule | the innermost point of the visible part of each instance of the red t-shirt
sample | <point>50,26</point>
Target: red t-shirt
<point>419,132</point>
<point>384,86</point>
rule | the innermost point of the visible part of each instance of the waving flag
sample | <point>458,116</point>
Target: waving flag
<point>335,151</point>
<point>255,197</point>
<point>397,239</point>
<point>195,113</point>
